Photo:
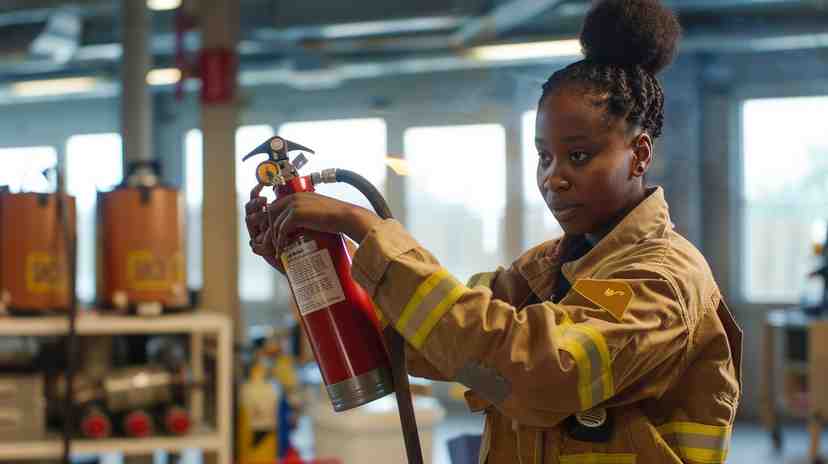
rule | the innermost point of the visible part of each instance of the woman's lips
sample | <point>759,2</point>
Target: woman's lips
<point>565,213</point>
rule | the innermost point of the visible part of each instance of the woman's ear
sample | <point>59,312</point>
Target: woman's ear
<point>642,147</point>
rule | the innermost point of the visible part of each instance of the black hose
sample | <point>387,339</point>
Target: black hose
<point>366,188</point>
<point>396,343</point>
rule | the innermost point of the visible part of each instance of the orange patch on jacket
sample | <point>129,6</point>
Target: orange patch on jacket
<point>611,295</point>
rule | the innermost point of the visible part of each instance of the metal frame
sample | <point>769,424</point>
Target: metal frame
<point>199,325</point>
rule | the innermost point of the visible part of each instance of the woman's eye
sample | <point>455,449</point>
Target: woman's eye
<point>579,157</point>
<point>544,159</point>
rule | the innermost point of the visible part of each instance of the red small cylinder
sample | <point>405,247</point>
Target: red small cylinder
<point>176,421</point>
<point>138,424</point>
<point>95,424</point>
<point>336,314</point>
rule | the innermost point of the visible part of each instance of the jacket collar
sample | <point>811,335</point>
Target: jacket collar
<point>650,218</point>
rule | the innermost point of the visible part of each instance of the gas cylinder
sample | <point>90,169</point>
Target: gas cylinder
<point>34,274</point>
<point>336,314</point>
<point>140,241</point>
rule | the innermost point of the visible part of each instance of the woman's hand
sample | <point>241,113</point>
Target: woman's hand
<point>258,228</point>
<point>317,212</point>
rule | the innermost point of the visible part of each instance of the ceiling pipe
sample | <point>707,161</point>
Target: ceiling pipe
<point>136,103</point>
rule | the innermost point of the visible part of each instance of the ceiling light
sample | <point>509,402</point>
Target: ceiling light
<point>164,76</point>
<point>160,5</point>
<point>49,87</point>
<point>526,51</point>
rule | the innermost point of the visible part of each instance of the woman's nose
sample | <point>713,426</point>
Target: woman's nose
<point>557,183</point>
<point>555,179</point>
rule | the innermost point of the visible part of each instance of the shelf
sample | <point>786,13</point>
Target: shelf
<point>94,323</point>
<point>53,447</point>
<point>199,324</point>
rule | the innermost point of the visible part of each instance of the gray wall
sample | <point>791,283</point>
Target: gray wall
<point>697,158</point>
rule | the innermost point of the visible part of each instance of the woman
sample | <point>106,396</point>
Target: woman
<point>610,345</point>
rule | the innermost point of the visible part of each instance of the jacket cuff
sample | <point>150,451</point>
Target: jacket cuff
<point>384,243</point>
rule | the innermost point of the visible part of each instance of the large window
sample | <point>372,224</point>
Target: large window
<point>539,224</point>
<point>358,145</point>
<point>785,195</point>
<point>456,195</point>
<point>21,169</point>
<point>93,163</point>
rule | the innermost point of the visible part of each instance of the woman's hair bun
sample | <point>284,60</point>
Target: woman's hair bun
<point>631,32</point>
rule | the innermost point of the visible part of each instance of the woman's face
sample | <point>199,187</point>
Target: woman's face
<point>590,167</point>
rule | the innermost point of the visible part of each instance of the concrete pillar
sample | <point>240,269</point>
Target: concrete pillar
<point>219,20</point>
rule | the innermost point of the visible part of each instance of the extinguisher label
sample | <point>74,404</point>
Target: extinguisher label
<point>313,278</point>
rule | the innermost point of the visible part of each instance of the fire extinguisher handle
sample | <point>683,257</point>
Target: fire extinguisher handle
<point>277,148</point>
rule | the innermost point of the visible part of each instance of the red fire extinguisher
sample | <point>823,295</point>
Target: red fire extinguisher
<point>336,313</point>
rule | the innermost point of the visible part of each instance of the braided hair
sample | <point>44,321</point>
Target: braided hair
<point>625,43</point>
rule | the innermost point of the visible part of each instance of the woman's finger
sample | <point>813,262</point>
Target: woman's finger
<point>262,244</point>
<point>256,191</point>
<point>255,205</point>
<point>278,230</point>
<point>256,223</point>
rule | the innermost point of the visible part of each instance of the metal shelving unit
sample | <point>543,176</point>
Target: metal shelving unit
<point>201,324</point>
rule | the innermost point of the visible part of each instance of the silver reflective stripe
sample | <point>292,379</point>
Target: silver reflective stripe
<point>485,381</point>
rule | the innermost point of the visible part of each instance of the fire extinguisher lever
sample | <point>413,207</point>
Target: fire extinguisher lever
<point>278,169</point>
<point>277,149</point>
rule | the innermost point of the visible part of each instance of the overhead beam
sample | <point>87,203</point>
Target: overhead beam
<point>361,29</point>
<point>502,19</point>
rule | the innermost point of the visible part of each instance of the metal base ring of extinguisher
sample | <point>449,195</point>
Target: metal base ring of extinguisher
<point>361,389</point>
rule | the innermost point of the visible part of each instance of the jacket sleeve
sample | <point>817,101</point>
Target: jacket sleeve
<point>538,365</point>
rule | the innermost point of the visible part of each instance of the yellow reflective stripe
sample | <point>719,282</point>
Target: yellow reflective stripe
<point>601,344</point>
<point>422,291</point>
<point>591,354</point>
<point>584,366</point>
<point>430,302</point>
<point>697,442</point>
<point>599,458</point>
<point>436,314</point>
<point>706,456</point>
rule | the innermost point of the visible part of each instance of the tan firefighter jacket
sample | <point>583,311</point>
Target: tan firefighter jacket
<point>643,335</point>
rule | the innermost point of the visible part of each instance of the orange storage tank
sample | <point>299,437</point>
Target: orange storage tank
<point>141,249</point>
<point>34,275</point>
